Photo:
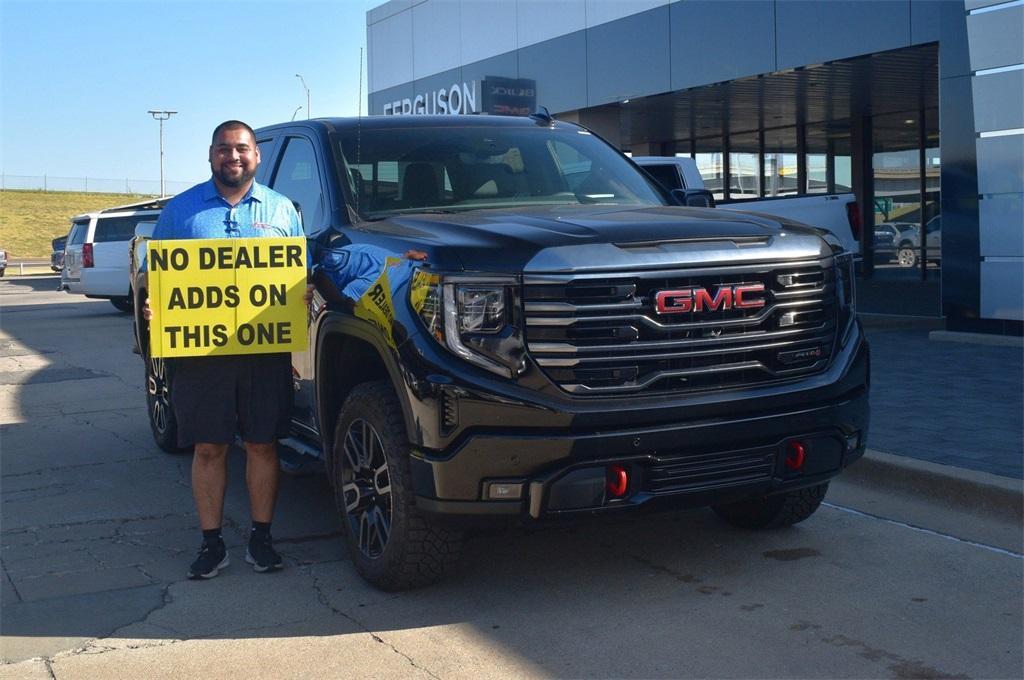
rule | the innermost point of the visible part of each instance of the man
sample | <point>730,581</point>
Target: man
<point>215,397</point>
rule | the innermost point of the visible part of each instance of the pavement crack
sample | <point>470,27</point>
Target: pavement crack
<point>322,599</point>
<point>10,582</point>
<point>65,468</point>
<point>49,668</point>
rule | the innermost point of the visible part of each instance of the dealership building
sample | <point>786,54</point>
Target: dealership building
<point>916,107</point>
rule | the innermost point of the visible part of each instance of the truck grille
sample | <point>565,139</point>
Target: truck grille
<point>601,334</point>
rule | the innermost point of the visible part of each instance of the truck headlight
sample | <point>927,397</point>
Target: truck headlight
<point>481,309</point>
<point>475,318</point>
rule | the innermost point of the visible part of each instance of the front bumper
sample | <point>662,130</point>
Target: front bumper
<point>722,454</point>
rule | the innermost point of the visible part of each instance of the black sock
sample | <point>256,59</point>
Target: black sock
<point>212,536</point>
<point>260,529</point>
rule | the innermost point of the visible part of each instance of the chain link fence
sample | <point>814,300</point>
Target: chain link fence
<point>99,185</point>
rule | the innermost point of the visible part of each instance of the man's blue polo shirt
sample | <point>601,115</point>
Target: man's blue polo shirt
<point>201,212</point>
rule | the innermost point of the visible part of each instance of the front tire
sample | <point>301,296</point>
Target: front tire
<point>392,544</point>
<point>773,512</point>
<point>159,382</point>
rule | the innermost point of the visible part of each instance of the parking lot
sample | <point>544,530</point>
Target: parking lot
<point>99,528</point>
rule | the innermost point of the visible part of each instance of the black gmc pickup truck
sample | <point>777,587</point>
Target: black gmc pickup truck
<point>514,322</point>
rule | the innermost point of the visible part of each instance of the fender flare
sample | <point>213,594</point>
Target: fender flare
<point>335,324</point>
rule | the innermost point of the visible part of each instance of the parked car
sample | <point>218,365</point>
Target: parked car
<point>909,249</point>
<point>57,256</point>
<point>835,213</point>
<point>96,254</point>
<point>492,340</point>
<point>3,262</point>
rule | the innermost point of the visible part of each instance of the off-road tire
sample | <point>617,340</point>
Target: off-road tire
<point>122,304</point>
<point>416,552</point>
<point>773,512</point>
<point>159,383</point>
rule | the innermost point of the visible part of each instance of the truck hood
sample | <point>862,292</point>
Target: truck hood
<point>599,238</point>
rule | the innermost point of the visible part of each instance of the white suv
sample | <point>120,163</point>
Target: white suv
<point>97,251</point>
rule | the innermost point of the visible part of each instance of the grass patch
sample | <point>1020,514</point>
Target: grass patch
<point>30,220</point>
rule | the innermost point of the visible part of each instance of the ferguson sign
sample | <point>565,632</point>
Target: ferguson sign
<point>459,98</point>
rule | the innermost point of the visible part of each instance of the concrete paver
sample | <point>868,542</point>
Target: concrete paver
<point>950,403</point>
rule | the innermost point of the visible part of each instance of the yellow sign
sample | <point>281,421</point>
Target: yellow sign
<point>376,306</point>
<point>214,297</point>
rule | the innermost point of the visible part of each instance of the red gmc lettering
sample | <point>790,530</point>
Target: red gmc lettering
<point>723,299</point>
<point>699,299</point>
<point>673,301</point>
<point>740,291</point>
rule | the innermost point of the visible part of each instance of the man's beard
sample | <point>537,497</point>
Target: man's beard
<point>234,183</point>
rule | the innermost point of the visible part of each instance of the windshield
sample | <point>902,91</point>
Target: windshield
<point>424,169</point>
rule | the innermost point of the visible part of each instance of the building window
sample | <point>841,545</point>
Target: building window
<point>708,154</point>
<point>744,166</point>
<point>781,171</point>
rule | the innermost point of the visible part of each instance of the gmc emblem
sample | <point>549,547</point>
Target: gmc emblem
<point>699,299</point>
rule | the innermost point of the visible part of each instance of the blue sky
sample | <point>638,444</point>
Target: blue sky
<point>78,77</point>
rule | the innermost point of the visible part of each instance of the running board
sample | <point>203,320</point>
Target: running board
<point>296,457</point>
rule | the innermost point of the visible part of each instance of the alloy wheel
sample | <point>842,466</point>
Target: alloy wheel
<point>156,385</point>
<point>366,488</point>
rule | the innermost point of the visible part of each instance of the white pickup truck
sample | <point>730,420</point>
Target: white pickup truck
<point>836,213</point>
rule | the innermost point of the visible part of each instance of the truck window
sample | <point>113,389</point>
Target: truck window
<point>469,167</point>
<point>78,231</point>
<point>109,229</point>
<point>667,175</point>
<point>299,179</point>
<point>266,149</point>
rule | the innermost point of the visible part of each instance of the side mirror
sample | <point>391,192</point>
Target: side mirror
<point>694,198</point>
<point>145,229</point>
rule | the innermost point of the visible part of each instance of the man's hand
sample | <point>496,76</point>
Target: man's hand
<point>308,297</point>
<point>417,255</point>
<point>147,312</point>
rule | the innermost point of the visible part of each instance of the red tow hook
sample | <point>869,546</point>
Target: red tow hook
<point>618,481</point>
<point>795,455</point>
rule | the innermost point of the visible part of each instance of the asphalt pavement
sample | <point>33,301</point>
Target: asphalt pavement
<point>911,569</point>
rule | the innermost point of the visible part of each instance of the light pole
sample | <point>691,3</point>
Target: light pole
<point>161,116</point>
<point>296,111</point>
<point>302,80</point>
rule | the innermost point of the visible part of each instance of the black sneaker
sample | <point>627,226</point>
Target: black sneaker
<point>261,554</point>
<point>212,558</point>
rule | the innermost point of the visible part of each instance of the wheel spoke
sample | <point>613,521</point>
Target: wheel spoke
<point>351,496</point>
<point>381,480</point>
<point>367,444</point>
<point>159,415</point>
<point>382,527</point>
<point>352,451</point>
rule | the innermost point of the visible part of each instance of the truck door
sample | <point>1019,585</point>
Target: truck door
<point>299,177</point>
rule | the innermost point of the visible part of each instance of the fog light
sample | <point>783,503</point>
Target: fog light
<point>795,455</point>
<point>853,442</point>
<point>618,481</point>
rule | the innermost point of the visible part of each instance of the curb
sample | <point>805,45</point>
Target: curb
<point>953,486</point>
<point>977,338</point>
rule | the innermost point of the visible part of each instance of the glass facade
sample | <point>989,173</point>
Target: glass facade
<point>906,166</point>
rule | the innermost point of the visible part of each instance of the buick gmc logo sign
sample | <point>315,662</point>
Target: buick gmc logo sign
<point>696,299</point>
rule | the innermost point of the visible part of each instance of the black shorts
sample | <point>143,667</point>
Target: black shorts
<point>216,397</point>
